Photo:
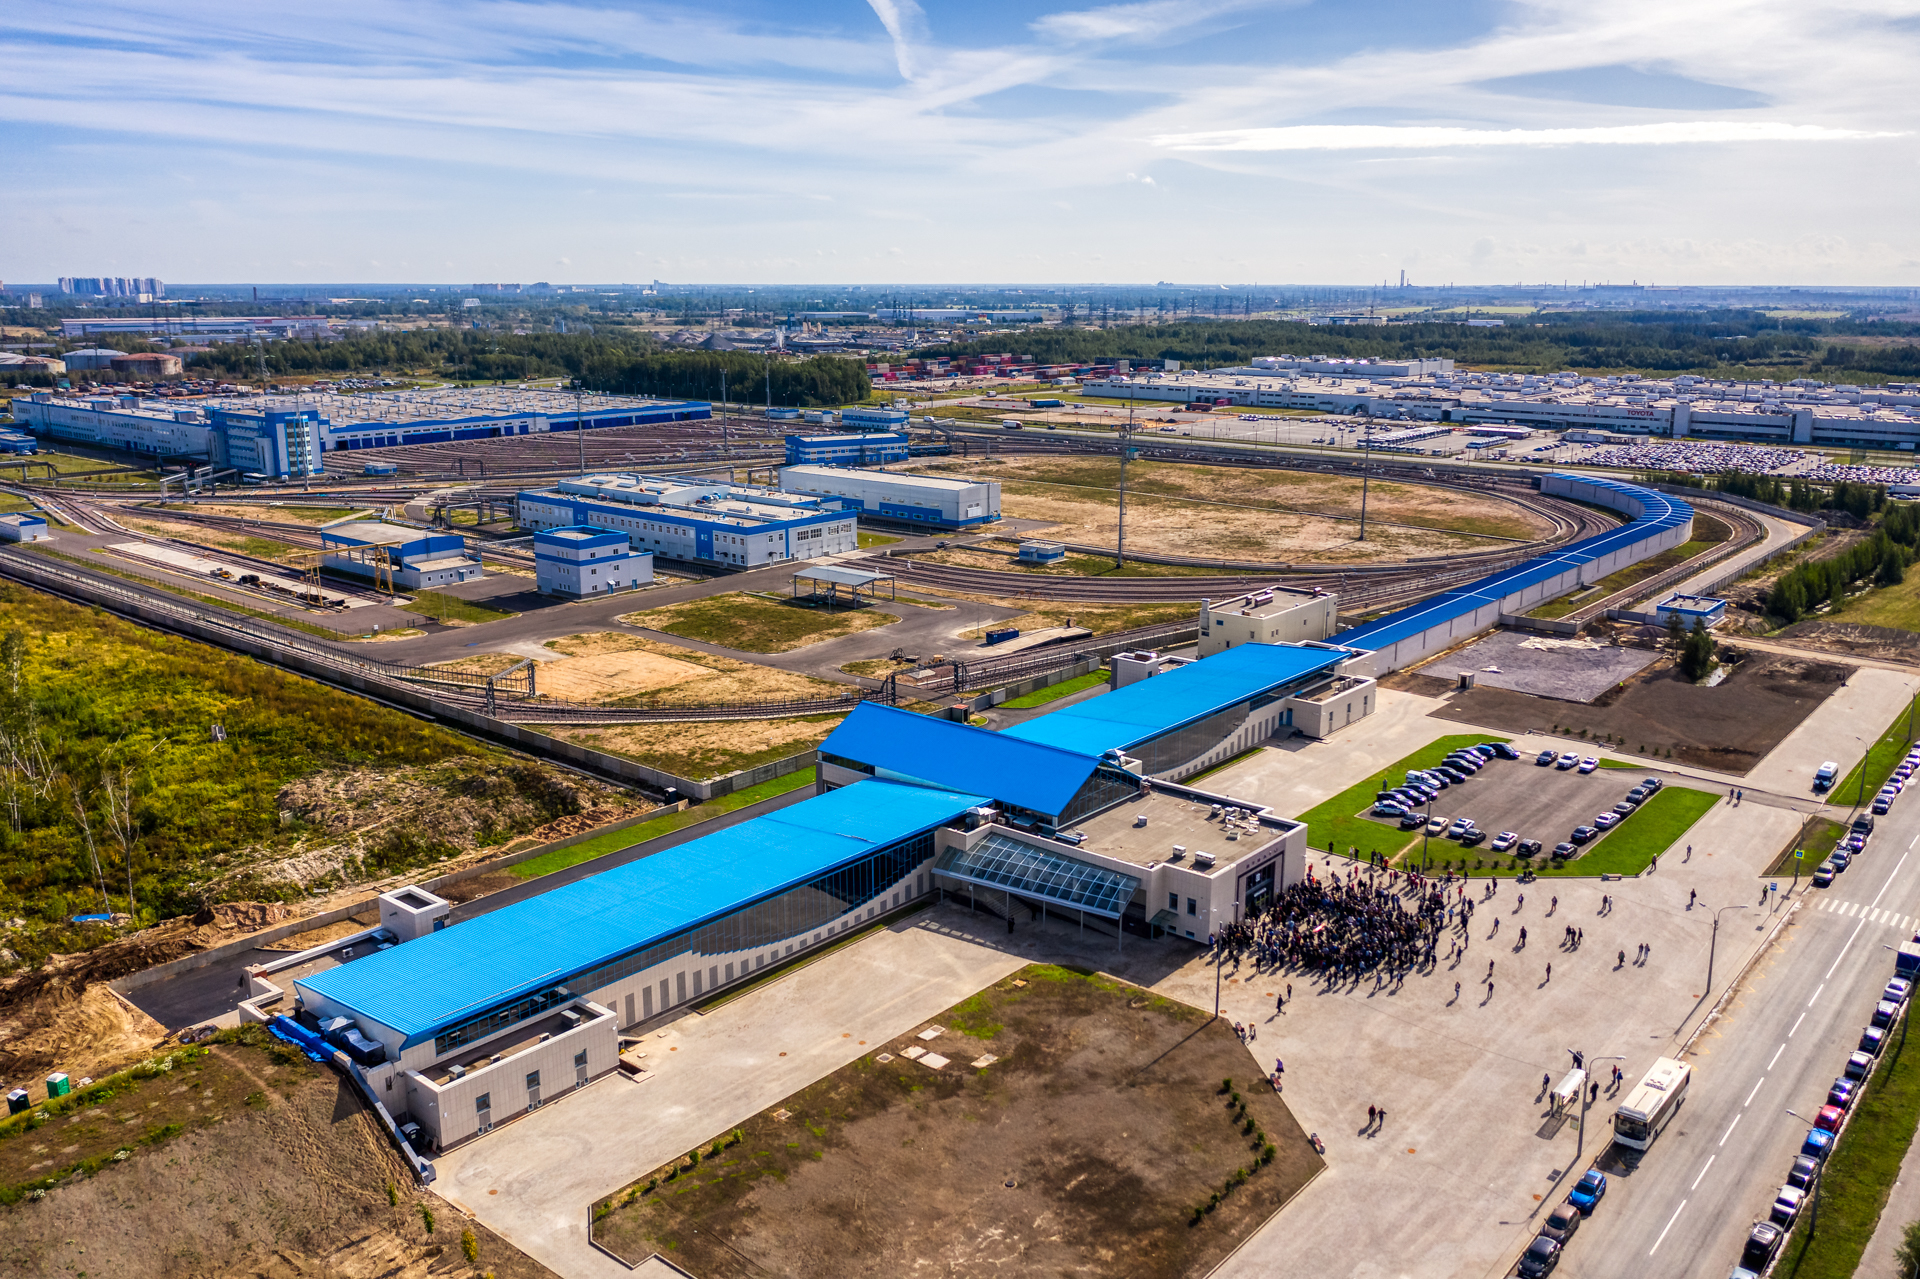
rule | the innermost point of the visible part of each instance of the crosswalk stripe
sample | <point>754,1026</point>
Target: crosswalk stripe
<point>1875,917</point>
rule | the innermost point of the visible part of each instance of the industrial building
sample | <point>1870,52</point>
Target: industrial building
<point>923,501</point>
<point>693,519</point>
<point>588,561</point>
<point>91,359</point>
<point>872,448</point>
<point>1688,609</point>
<point>871,419</point>
<point>284,436</point>
<point>147,366</point>
<point>1275,615</point>
<point>1412,634</point>
<point>396,555</point>
<point>22,527</point>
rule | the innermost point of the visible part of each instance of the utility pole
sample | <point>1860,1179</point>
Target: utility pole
<point>1714,940</point>
<point>1126,449</point>
<point>579,430</point>
<point>1366,474</point>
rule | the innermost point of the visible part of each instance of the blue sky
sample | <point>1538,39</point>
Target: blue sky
<point>892,141</point>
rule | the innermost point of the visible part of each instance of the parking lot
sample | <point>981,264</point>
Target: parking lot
<point>1535,802</point>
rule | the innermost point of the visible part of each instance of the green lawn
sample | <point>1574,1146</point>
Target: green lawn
<point>756,623</point>
<point>1816,839</point>
<point>1871,773</point>
<point>1860,1172</point>
<point>1628,847</point>
<point>874,539</point>
<point>451,607</point>
<point>614,841</point>
<point>1054,692</point>
<point>1338,823</point>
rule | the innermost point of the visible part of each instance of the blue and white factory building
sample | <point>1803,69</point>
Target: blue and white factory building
<point>698,520</point>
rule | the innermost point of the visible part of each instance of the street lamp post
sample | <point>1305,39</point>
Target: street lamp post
<point>1580,1138</point>
<point>1715,938</point>
<point>1813,1225</point>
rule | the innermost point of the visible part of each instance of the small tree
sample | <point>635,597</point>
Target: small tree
<point>1696,655</point>
<point>1908,1253</point>
<point>1674,633</point>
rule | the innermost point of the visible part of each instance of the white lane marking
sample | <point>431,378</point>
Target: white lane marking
<point>1891,876</point>
<point>1782,1048</point>
<point>1816,995</point>
<point>1796,1025</point>
<point>1730,1127</point>
<point>1875,917</point>
<point>1843,950</point>
<point>1756,1088</point>
<point>1663,1234</point>
<point>1702,1177</point>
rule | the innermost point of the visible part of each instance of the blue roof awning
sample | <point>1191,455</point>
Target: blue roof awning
<point>940,752</point>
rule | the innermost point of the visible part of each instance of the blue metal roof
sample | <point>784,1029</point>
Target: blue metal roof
<point>941,752</point>
<point>431,982</point>
<point>1658,513</point>
<point>1131,715</point>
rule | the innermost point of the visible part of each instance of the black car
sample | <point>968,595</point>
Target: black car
<point>1761,1241</point>
<point>1544,758</point>
<point>1805,1169</point>
<point>1413,821</point>
<point>1468,764</point>
<point>1454,775</point>
<point>1541,1256</point>
<point>1527,848</point>
<point>1638,795</point>
<point>1651,784</point>
<point>1503,750</point>
<point>1581,834</point>
<point>1564,850</point>
<point>1871,1038</point>
<point>1471,837</point>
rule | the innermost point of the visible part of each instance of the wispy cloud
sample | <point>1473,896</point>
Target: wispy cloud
<point>1134,21</point>
<point>1359,137</point>
<point>907,24</point>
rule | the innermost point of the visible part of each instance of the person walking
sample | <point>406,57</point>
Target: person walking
<point>1289,990</point>
<point>1623,960</point>
<point>1489,970</point>
<point>1549,972</point>
<point>1692,897</point>
<point>1546,1082</point>
<point>1371,1113</point>
<point>1456,991</point>
<point>1523,939</point>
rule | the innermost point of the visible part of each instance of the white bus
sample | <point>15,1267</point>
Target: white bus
<point>1653,1104</point>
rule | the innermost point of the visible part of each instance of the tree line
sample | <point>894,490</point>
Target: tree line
<point>820,380</point>
<point>1859,500</point>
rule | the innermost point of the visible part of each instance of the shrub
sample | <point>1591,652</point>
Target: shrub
<point>426,1217</point>
<point>393,1196</point>
<point>1226,1085</point>
<point>470,1247</point>
<point>1213,1201</point>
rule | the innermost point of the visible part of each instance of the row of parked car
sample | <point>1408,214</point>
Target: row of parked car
<point>1851,845</point>
<point>1766,1236</point>
<point>1543,1254</point>
<point>1423,785</point>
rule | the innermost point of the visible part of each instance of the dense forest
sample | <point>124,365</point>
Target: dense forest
<point>821,380</point>
<point>1715,343</point>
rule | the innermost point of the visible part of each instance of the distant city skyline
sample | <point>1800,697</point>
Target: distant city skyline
<point>1199,140</point>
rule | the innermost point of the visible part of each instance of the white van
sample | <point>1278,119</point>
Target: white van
<point>1823,777</point>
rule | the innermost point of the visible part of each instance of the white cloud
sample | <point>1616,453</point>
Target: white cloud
<point>907,24</point>
<point>1358,137</point>
<point>1131,21</point>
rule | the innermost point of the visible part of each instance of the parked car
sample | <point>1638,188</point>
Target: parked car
<point>1880,805</point>
<point>1588,764</point>
<point>1884,1012</point>
<point>1651,784</point>
<point>1412,821</point>
<point>1816,1144</point>
<point>1897,990</point>
<point>1805,1169</point>
<point>1625,807</point>
<point>1607,821</point>
<point>1502,750</point>
<point>1541,1256</point>
<point>1839,859</point>
<point>1581,834</point>
<point>1590,1190</point>
<point>1829,1118</point>
<point>1564,849</point>
<point>1823,874</point>
<point>1562,1222</point>
<point>1871,1040</point>
<point>1503,841</point>
<point>1639,794</point>
<point>1389,808</point>
<point>1859,1065</point>
<point>1786,1205</point>
<point>1545,757</point>
<point>1841,1094</point>
<point>1567,760</point>
<point>1824,776</point>
<point>1438,826</point>
<point>1460,826</point>
<point>1762,1240</point>
<point>1527,848</point>
<point>1471,836</point>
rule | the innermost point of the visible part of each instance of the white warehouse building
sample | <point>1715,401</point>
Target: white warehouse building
<point>698,520</point>
<point>926,500</point>
<point>587,561</point>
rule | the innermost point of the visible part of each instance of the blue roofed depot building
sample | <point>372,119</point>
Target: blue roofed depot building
<point>489,1018</point>
<point>867,448</point>
<point>582,562</point>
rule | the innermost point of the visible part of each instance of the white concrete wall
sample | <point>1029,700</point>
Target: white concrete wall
<point>447,1110</point>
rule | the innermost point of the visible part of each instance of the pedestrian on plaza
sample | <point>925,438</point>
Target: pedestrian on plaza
<point>1546,1082</point>
<point>1553,905</point>
<point>1579,938</point>
<point>1692,897</point>
<point>1623,960</point>
<point>1383,1116</point>
<point>1371,1113</point>
<point>1549,972</point>
<point>1523,939</point>
<point>1517,906</point>
<point>1280,1004</point>
<point>1655,864</point>
<point>1289,990</point>
<point>1456,990</point>
<point>1489,970</point>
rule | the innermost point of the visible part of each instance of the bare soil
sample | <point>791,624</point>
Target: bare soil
<point>274,1169</point>
<point>659,674</point>
<point>1855,639</point>
<point>1247,513</point>
<point>1728,728</point>
<point>1083,1148</point>
<point>700,751</point>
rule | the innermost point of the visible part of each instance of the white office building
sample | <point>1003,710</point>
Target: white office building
<point>929,501</point>
<point>695,519</point>
<point>584,562</point>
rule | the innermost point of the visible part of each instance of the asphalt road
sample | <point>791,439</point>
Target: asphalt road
<point>1686,1210</point>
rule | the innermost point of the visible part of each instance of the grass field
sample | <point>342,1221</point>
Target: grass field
<point>614,841</point>
<point>1816,839</point>
<point>755,623</point>
<point>445,607</point>
<point>1337,824</point>
<point>1860,1172</point>
<point>1630,846</point>
<point>1054,692</point>
<point>874,539</point>
<point>1871,773</point>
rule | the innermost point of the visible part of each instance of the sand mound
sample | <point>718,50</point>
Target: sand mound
<point>607,675</point>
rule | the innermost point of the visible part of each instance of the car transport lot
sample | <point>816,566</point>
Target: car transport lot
<point>1535,802</point>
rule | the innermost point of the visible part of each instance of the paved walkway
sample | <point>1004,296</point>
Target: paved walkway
<point>1903,1206</point>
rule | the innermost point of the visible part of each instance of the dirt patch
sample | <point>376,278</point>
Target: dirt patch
<point>307,940</point>
<point>274,1169</point>
<point>700,751</point>
<point>1098,1140</point>
<point>1728,728</point>
<point>702,678</point>
<point>1247,513</point>
<point>1415,682</point>
<point>1855,639</point>
<point>755,624</point>
<point>481,663</point>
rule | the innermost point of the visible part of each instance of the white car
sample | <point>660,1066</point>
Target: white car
<point>1461,825</point>
<point>1567,760</point>
<point>1503,841</point>
<point>1588,764</point>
